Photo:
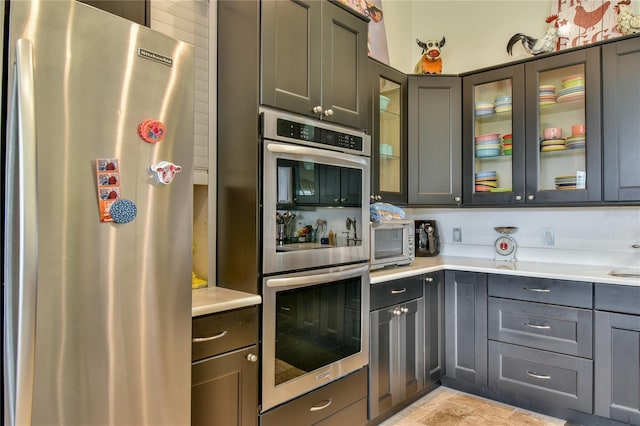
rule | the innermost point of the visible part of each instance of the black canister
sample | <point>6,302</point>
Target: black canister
<point>427,242</point>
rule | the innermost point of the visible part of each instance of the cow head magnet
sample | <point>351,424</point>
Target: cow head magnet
<point>165,171</point>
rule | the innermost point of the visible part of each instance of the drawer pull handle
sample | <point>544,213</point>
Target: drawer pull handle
<point>539,290</point>
<point>398,291</point>
<point>537,376</point>
<point>542,327</point>
<point>285,308</point>
<point>321,405</point>
<point>208,339</point>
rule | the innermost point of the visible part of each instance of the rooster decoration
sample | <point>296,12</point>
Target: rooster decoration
<point>628,23</point>
<point>537,46</point>
<point>430,62</point>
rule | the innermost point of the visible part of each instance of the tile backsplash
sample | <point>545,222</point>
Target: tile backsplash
<point>590,235</point>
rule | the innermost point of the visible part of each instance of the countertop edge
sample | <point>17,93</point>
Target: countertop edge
<point>212,300</point>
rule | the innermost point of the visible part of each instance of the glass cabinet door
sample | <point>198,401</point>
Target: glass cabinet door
<point>390,149</point>
<point>563,159</point>
<point>389,134</point>
<point>494,143</point>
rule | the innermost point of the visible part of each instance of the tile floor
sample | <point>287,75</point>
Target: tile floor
<point>448,407</point>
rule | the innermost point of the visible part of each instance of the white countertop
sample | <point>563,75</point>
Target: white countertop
<point>217,299</point>
<point>210,300</point>
<point>575,272</point>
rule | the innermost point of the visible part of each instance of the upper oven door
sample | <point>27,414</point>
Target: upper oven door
<point>315,207</point>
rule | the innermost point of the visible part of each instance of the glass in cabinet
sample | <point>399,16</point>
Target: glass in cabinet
<point>389,133</point>
<point>563,128</point>
<point>494,136</point>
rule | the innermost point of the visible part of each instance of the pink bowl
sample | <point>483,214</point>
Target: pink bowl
<point>487,137</point>
<point>552,133</point>
<point>578,129</point>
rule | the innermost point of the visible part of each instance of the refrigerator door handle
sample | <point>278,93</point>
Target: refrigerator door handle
<point>21,239</point>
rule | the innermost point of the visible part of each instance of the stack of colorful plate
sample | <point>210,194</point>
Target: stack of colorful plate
<point>576,142</point>
<point>507,144</point>
<point>485,108</point>
<point>547,94</point>
<point>488,145</point>
<point>503,103</point>
<point>486,181</point>
<point>548,145</point>
<point>566,182</point>
<point>572,88</point>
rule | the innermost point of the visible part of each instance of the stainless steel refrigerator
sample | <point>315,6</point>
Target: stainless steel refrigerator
<point>98,219</point>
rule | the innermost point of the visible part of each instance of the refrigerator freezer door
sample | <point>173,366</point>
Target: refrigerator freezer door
<point>113,316</point>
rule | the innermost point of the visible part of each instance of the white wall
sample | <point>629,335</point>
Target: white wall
<point>476,31</point>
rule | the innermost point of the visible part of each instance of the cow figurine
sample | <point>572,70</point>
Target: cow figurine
<point>430,62</point>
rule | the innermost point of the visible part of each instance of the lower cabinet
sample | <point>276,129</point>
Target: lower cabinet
<point>224,370</point>
<point>617,353</point>
<point>340,403</point>
<point>465,298</point>
<point>434,328</point>
<point>397,368</point>
<point>224,389</point>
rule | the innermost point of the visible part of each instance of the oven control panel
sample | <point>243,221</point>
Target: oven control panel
<point>311,133</point>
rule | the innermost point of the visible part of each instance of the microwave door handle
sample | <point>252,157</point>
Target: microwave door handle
<point>305,280</point>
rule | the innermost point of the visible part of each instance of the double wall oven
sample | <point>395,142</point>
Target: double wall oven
<point>315,253</point>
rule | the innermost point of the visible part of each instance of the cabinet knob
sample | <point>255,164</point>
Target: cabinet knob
<point>457,199</point>
<point>328,112</point>
<point>518,197</point>
<point>252,357</point>
<point>397,312</point>
<point>531,197</point>
<point>404,310</point>
<point>344,200</point>
<point>336,200</point>
<point>378,197</point>
<point>317,109</point>
<point>429,279</point>
<point>372,197</point>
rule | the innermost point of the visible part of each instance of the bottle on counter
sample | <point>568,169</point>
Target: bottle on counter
<point>332,238</point>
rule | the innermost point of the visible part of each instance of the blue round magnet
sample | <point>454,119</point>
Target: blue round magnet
<point>123,211</point>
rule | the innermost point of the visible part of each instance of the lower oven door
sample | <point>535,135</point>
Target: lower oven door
<point>315,330</point>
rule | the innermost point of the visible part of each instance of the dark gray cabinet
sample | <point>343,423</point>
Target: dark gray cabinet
<point>342,402</point>
<point>533,173</point>
<point>621,127</point>
<point>466,327</point>
<point>540,341</point>
<point>339,186</point>
<point>434,132</point>
<point>396,368</point>
<point>224,372</point>
<point>314,59</point>
<point>617,353</point>
<point>388,133</point>
<point>434,328</point>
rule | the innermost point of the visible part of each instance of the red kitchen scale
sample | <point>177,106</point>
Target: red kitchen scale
<point>505,245</point>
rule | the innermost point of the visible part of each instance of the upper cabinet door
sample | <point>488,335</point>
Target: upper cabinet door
<point>388,133</point>
<point>563,131</point>
<point>314,60</point>
<point>291,55</point>
<point>494,136</point>
<point>344,67</point>
<point>621,115</point>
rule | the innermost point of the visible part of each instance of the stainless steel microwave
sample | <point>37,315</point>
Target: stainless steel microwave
<point>392,243</point>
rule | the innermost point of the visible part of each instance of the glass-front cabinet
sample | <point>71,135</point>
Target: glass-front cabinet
<point>532,132</point>
<point>389,134</point>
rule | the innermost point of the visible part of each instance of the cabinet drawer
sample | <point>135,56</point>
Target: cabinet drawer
<point>223,332</point>
<point>542,378</point>
<point>317,406</point>
<point>393,292</point>
<point>557,292</point>
<point>553,328</point>
<point>618,298</point>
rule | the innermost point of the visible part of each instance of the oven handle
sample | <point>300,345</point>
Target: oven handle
<point>305,280</point>
<point>279,148</point>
